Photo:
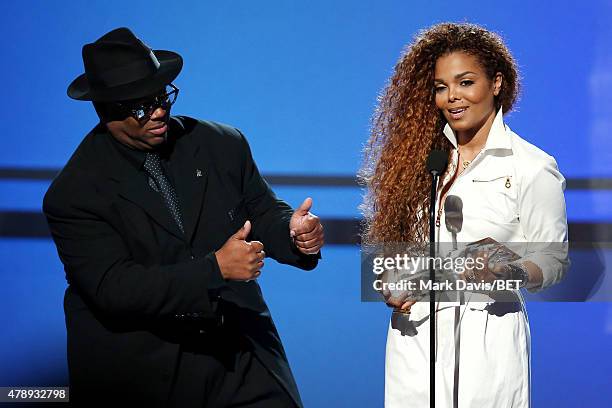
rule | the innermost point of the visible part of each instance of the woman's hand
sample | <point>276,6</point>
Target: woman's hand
<point>483,269</point>
<point>488,268</point>
<point>402,303</point>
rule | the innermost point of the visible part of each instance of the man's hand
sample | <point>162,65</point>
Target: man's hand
<point>239,259</point>
<point>306,230</point>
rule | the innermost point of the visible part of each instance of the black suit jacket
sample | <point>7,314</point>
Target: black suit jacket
<point>138,287</point>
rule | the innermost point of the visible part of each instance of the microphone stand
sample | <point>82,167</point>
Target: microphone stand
<point>436,163</point>
<point>453,217</point>
<point>432,292</point>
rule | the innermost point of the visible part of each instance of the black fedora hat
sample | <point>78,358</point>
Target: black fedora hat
<point>119,66</point>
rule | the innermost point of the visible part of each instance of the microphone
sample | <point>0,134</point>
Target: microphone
<point>453,216</point>
<point>436,162</point>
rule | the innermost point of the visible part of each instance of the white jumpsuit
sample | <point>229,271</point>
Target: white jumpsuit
<point>512,192</point>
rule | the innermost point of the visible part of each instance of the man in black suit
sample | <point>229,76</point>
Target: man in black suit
<point>162,224</point>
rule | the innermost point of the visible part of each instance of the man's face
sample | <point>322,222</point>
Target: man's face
<point>141,136</point>
<point>142,124</point>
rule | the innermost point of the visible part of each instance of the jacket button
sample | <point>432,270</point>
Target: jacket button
<point>192,257</point>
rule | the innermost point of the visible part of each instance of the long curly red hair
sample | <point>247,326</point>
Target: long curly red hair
<point>407,125</point>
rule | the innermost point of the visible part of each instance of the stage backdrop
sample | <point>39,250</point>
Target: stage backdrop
<point>300,79</point>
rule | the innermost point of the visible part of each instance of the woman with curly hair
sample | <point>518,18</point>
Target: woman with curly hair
<point>449,91</point>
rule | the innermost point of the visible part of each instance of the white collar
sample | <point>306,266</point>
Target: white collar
<point>497,138</point>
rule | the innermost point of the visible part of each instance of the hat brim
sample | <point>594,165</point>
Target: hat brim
<point>170,65</point>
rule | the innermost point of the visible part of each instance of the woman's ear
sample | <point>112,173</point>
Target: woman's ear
<point>497,83</point>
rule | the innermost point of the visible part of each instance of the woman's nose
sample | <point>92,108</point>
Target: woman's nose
<point>453,94</point>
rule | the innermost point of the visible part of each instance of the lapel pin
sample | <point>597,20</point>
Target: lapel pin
<point>198,173</point>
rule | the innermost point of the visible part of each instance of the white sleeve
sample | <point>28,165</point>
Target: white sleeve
<point>544,222</point>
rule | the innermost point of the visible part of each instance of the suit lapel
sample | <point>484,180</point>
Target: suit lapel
<point>132,184</point>
<point>136,190</point>
<point>189,172</point>
<point>190,179</point>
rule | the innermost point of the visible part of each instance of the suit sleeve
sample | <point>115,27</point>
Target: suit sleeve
<point>99,265</point>
<point>544,222</point>
<point>270,223</point>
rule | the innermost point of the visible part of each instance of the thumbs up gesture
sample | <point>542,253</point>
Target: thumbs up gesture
<point>239,259</point>
<point>306,230</point>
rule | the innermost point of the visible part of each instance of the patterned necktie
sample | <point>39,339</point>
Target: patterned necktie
<point>160,183</point>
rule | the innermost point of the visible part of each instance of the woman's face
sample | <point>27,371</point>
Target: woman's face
<point>464,93</point>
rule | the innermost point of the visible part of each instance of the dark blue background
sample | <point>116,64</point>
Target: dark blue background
<point>300,78</point>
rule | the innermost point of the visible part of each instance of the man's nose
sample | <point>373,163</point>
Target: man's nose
<point>158,113</point>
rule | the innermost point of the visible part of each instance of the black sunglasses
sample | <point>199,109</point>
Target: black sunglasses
<point>141,110</point>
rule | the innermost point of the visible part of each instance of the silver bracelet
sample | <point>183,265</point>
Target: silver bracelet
<point>517,271</point>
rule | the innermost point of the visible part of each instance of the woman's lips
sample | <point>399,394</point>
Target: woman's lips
<point>159,131</point>
<point>457,113</point>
